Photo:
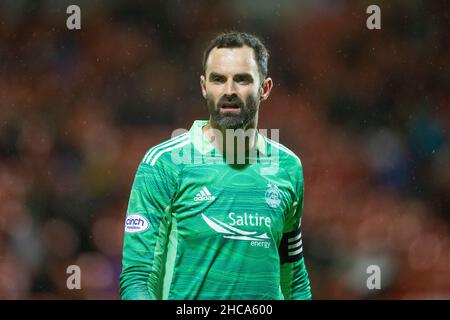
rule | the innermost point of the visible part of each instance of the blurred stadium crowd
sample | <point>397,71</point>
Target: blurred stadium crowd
<point>367,111</point>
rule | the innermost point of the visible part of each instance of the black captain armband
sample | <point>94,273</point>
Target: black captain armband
<point>291,247</point>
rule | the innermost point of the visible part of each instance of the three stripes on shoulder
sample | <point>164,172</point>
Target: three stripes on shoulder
<point>154,153</point>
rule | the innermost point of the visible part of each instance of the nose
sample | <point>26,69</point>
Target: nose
<point>230,88</point>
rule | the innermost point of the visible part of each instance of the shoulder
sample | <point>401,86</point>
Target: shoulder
<point>288,161</point>
<point>286,156</point>
<point>163,153</point>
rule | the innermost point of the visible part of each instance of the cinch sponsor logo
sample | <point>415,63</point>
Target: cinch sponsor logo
<point>135,223</point>
<point>230,232</point>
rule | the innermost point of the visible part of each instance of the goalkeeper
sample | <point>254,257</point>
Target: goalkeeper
<point>207,219</point>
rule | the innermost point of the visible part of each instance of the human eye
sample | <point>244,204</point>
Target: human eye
<point>243,79</point>
<point>217,78</point>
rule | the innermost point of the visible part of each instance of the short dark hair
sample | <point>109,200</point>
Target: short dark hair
<point>235,39</point>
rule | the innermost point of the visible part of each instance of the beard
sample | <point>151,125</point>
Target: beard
<point>233,120</point>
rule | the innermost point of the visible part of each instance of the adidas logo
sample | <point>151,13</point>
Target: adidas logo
<point>204,195</point>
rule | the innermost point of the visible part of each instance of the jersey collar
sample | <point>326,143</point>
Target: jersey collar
<point>204,146</point>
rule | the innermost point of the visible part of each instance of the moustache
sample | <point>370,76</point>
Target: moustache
<point>226,102</point>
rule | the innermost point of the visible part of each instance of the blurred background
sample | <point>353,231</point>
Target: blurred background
<point>367,111</point>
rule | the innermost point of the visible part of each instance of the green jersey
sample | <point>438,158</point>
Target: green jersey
<point>198,227</point>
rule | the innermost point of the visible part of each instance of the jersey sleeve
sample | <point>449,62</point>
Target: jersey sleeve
<point>294,278</point>
<point>147,225</point>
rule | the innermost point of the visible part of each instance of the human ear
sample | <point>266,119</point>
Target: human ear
<point>265,89</point>
<point>203,85</point>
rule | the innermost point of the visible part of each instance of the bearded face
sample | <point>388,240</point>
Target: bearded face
<point>233,88</point>
<point>230,112</point>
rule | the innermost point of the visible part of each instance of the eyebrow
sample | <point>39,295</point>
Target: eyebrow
<point>213,75</point>
<point>244,76</point>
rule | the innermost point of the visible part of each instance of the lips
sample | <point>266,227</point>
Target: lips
<point>230,108</point>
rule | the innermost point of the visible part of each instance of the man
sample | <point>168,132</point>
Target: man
<point>208,219</point>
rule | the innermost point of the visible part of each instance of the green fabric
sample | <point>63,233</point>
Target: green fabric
<point>214,229</point>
